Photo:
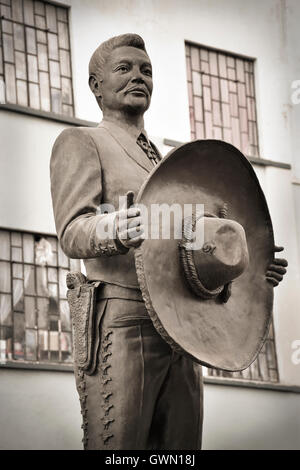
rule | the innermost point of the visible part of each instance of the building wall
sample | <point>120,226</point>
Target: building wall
<point>42,412</point>
<point>262,30</point>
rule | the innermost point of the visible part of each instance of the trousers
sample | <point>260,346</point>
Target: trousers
<point>142,395</point>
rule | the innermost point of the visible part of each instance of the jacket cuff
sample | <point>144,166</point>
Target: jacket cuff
<point>106,242</point>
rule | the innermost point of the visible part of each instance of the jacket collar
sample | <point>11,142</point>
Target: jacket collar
<point>128,143</point>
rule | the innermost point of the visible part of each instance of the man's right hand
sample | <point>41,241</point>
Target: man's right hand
<point>130,228</point>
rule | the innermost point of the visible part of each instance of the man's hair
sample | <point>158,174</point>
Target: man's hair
<point>102,52</point>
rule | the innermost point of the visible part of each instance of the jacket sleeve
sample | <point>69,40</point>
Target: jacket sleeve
<point>76,188</point>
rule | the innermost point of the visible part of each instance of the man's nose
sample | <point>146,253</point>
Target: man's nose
<point>137,76</point>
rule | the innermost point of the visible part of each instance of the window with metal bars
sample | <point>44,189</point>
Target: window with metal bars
<point>34,314</point>
<point>222,97</point>
<point>35,63</point>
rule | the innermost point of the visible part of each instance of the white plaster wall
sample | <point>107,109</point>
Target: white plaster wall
<point>243,418</point>
<point>26,144</point>
<point>39,410</point>
<point>42,412</point>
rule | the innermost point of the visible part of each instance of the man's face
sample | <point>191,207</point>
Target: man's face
<point>127,81</point>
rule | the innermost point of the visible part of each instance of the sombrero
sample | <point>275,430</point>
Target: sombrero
<point>209,300</point>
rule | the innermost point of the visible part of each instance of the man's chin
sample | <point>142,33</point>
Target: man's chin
<point>137,107</point>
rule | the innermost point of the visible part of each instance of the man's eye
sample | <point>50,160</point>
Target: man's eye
<point>148,72</point>
<point>122,68</point>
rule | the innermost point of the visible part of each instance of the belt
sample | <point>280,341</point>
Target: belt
<point>112,291</point>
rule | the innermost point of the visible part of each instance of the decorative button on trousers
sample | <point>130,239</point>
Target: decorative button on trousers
<point>143,395</point>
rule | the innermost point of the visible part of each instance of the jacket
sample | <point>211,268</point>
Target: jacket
<point>89,167</point>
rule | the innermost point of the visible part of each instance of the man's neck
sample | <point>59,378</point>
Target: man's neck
<point>133,124</point>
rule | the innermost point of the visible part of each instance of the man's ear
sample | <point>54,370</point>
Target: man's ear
<point>95,85</point>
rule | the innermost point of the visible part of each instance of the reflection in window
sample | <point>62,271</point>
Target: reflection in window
<point>34,314</point>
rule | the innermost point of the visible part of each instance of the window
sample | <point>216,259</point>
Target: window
<point>35,67</point>
<point>34,314</point>
<point>222,98</point>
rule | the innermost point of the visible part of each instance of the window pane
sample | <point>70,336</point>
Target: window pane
<point>39,8</point>
<point>22,93</point>
<point>30,312</point>
<point>54,74</point>
<point>20,65</point>
<point>45,91</point>
<point>8,49</point>
<point>67,91</point>
<point>2,87</point>
<point>17,10</point>
<point>31,345</point>
<point>6,343</point>
<point>7,27</point>
<point>4,245</point>
<point>41,281</point>
<point>5,310</point>
<point>18,295</point>
<point>19,38</point>
<point>34,96</point>
<point>43,345</point>
<point>52,46</point>
<point>16,239</point>
<point>42,310</point>
<point>62,258</point>
<point>18,270</point>
<point>54,346</point>
<point>29,280</point>
<point>66,347</point>
<point>28,12</point>
<point>53,290</point>
<point>32,68</point>
<point>40,22</point>
<point>65,315</point>
<point>51,17</point>
<point>28,247</point>
<point>10,83</point>
<point>5,277</point>
<point>63,35</point>
<point>56,101</point>
<point>62,283</point>
<point>62,14</point>
<point>30,40</point>
<point>65,63</point>
<point>19,336</point>
<point>43,57</point>
<point>52,274</point>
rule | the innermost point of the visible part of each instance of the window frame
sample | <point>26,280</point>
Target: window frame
<point>47,364</point>
<point>58,100</point>
<point>189,80</point>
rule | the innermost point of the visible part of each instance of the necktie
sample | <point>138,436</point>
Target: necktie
<point>148,149</point>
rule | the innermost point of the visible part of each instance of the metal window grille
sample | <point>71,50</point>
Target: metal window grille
<point>222,98</point>
<point>35,63</point>
<point>35,321</point>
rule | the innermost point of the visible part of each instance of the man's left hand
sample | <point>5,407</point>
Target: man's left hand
<point>276,270</point>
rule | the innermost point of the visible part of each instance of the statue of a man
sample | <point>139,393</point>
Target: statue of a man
<point>135,391</point>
